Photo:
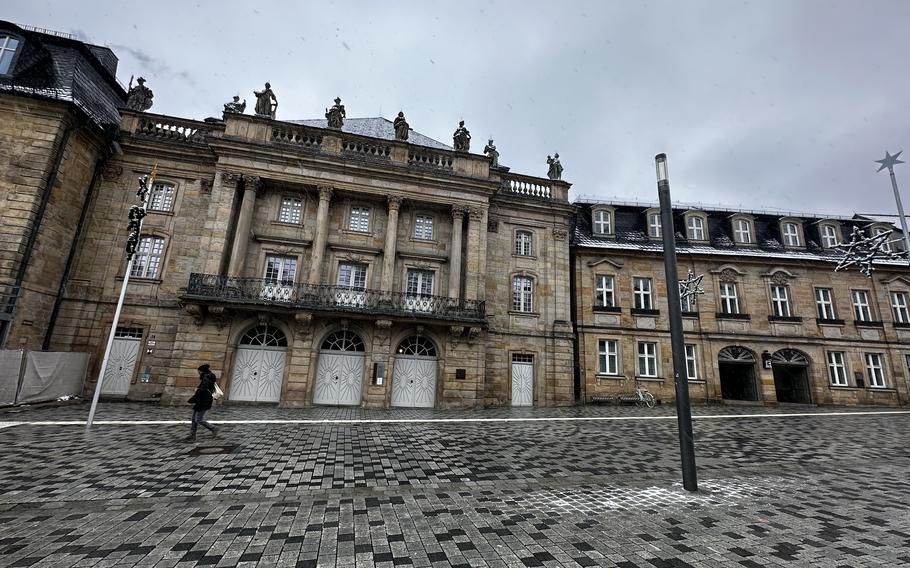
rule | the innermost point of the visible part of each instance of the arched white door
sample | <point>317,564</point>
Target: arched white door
<point>259,365</point>
<point>414,380</point>
<point>339,376</point>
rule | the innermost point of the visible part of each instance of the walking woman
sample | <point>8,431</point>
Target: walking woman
<point>202,401</point>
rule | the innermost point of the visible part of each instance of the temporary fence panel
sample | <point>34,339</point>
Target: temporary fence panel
<point>10,372</point>
<point>49,376</point>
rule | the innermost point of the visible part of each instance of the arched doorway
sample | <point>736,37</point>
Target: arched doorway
<point>791,376</point>
<point>414,381</point>
<point>259,365</point>
<point>339,376</point>
<point>736,367</point>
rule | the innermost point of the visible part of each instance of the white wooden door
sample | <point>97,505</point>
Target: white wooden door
<point>120,366</point>
<point>414,382</point>
<point>522,383</point>
<point>258,373</point>
<point>339,378</point>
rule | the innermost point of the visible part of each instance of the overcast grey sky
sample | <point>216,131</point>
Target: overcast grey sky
<point>774,104</point>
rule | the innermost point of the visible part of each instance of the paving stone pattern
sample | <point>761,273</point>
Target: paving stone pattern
<point>820,490</point>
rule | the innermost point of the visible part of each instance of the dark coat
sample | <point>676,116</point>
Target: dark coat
<point>202,399</point>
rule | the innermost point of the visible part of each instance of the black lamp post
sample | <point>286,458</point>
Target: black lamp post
<point>683,409</point>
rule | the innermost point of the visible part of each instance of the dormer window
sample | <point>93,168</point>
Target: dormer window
<point>603,222</point>
<point>654,230</point>
<point>742,231</point>
<point>790,232</point>
<point>876,231</point>
<point>8,46</point>
<point>695,227</point>
<point>829,235</point>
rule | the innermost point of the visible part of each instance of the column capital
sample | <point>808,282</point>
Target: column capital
<point>395,202</point>
<point>252,183</point>
<point>459,211</point>
<point>230,177</point>
<point>325,193</point>
<point>476,214</point>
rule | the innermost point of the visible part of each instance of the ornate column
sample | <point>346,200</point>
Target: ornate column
<point>322,229</point>
<point>472,265</point>
<point>242,234</point>
<point>391,239</point>
<point>458,213</point>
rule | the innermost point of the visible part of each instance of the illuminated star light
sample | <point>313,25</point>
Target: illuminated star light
<point>861,251</point>
<point>691,286</point>
<point>889,161</point>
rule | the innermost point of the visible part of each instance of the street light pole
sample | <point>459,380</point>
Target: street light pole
<point>683,408</point>
<point>889,162</point>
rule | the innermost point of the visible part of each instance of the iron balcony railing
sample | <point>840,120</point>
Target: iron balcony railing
<point>317,297</point>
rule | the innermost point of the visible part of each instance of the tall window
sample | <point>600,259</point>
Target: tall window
<point>523,241</point>
<point>899,307</point>
<point>875,370</point>
<point>291,210</point>
<point>360,219</point>
<point>742,230</point>
<point>729,302</point>
<point>691,363</point>
<point>523,294</point>
<point>423,227</point>
<point>647,359</point>
<point>687,303</point>
<point>790,232</point>
<point>281,269</point>
<point>696,228</point>
<point>825,304</point>
<point>8,47</point>
<point>420,283</point>
<point>829,236</point>
<point>148,257</point>
<point>654,230</point>
<point>886,245</point>
<point>603,222</point>
<point>608,357</point>
<point>352,276</point>
<point>161,197</point>
<point>837,370</point>
<point>780,301</point>
<point>861,310</point>
<point>641,290</point>
<point>604,291</point>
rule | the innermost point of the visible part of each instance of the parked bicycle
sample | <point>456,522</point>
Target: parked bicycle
<point>643,398</point>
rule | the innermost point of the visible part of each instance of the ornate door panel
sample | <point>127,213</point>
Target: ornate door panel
<point>339,378</point>
<point>120,366</point>
<point>246,375</point>
<point>522,384</point>
<point>271,373</point>
<point>414,382</point>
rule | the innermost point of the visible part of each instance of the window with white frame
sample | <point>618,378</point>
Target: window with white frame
<point>742,231</point>
<point>523,242</point>
<point>790,232</point>
<point>729,301</point>
<point>603,222</point>
<point>654,230</point>
<point>861,309</point>
<point>607,357</point>
<point>641,291</point>
<point>780,301</point>
<point>829,235</point>
<point>147,259</point>
<point>604,291</point>
<point>695,227</point>
<point>825,304</point>
<point>281,269</point>
<point>423,227</point>
<point>899,307</point>
<point>647,359</point>
<point>8,47</point>
<point>291,210</point>
<point>687,303</point>
<point>886,245</point>
<point>837,369</point>
<point>352,276</point>
<point>523,294</point>
<point>419,283</point>
<point>161,197</point>
<point>691,362</point>
<point>360,219</point>
<point>875,369</point>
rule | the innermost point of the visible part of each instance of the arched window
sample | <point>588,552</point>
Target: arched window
<point>343,340</point>
<point>8,46</point>
<point>417,345</point>
<point>736,354</point>
<point>264,335</point>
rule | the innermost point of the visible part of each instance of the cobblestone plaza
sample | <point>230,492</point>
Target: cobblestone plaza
<point>595,486</point>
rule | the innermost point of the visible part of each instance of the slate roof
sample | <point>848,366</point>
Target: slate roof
<point>631,234</point>
<point>376,127</point>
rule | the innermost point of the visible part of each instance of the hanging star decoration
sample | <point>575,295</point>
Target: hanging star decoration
<point>861,251</point>
<point>691,286</point>
<point>889,161</point>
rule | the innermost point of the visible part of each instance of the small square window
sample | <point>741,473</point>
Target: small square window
<point>291,210</point>
<point>360,219</point>
<point>423,227</point>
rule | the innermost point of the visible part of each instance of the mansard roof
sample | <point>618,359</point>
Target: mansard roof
<point>376,127</point>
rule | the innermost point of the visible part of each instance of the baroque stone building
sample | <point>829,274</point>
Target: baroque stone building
<point>775,324</point>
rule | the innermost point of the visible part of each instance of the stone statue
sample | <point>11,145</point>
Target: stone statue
<point>401,127</point>
<point>555,171</point>
<point>235,106</point>
<point>335,115</point>
<point>490,150</point>
<point>266,102</point>
<point>462,138</point>
<point>139,97</point>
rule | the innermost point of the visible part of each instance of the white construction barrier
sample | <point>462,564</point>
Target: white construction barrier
<point>50,375</point>
<point>10,373</point>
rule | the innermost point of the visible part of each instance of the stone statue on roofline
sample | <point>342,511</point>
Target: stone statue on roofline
<point>401,127</point>
<point>235,106</point>
<point>490,150</point>
<point>335,115</point>
<point>461,138</point>
<point>266,102</point>
<point>555,171</point>
<point>139,97</point>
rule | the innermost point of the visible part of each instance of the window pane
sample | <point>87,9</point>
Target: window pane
<point>423,227</point>
<point>291,209</point>
<point>603,293</point>
<point>360,219</point>
<point>162,197</point>
<point>147,258</point>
